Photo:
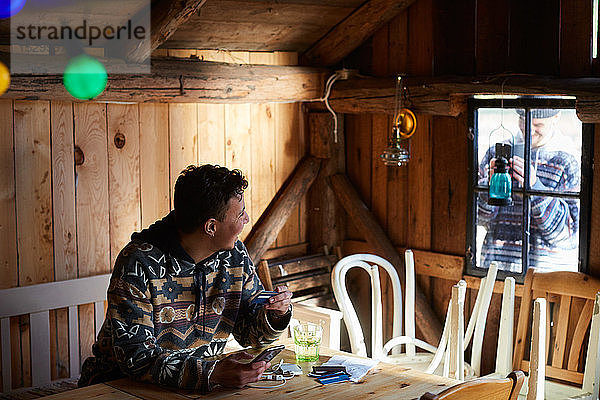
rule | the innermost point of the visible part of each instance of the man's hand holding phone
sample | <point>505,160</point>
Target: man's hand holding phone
<point>231,372</point>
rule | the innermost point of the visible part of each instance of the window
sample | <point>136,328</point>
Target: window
<point>549,164</point>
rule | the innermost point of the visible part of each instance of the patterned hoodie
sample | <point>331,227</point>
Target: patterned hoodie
<point>167,316</point>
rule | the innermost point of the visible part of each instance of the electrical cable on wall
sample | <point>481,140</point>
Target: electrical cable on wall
<point>342,74</point>
<point>325,98</point>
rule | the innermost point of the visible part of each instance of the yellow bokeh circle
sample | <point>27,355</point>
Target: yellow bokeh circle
<point>4,78</point>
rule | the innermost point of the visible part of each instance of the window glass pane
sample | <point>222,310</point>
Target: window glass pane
<point>499,233</point>
<point>555,150</point>
<point>554,238</point>
<point>495,126</point>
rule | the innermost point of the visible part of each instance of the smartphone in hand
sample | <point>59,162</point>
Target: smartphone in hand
<point>263,297</point>
<point>268,354</point>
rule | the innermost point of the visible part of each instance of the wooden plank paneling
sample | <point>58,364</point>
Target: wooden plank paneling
<point>63,191</point>
<point>123,174</point>
<point>8,229</point>
<point>238,142</point>
<point>491,43</point>
<point>302,152</point>
<point>261,25</point>
<point>449,185</point>
<point>397,205</point>
<point>65,229</point>
<point>420,38</point>
<point>381,125</point>
<point>398,44</point>
<point>154,161</point>
<point>420,185</point>
<point>262,125</point>
<point>380,53</point>
<point>25,350</point>
<point>211,134</point>
<point>183,139</point>
<point>15,352</point>
<point>326,214</point>
<point>211,122</point>
<point>358,158</point>
<point>534,47</point>
<point>93,244</point>
<point>397,178</point>
<point>575,37</point>
<point>93,240</point>
<point>287,152</point>
<point>454,35</point>
<point>33,192</point>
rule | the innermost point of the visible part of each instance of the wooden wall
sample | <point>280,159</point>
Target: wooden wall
<point>61,222</point>
<point>424,205</point>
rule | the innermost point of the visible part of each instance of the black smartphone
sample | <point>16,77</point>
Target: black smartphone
<point>268,354</point>
<point>503,150</point>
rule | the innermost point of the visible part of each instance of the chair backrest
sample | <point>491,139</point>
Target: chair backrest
<point>37,301</point>
<point>570,300</point>
<point>538,352</point>
<point>483,389</point>
<point>504,349</point>
<point>370,263</point>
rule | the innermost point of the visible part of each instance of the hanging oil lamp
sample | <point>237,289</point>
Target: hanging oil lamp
<point>404,126</point>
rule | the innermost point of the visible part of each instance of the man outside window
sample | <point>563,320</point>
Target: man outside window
<point>554,221</point>
<point>181,287</point>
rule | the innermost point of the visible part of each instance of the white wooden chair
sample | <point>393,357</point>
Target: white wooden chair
<point>538,388</point>
<point>37,301</point>
<point>371,264</point>
<point>504,348</point>
<point>558,330</point>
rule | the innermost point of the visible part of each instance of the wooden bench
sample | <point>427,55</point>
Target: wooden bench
<point>37,301</point>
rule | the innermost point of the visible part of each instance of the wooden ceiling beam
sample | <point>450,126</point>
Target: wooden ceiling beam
<point>189,81</point>
<point>447,95</point>
<point>166,17</point>
<point>353,31</point>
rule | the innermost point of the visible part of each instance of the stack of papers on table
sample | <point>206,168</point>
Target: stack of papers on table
<point>355,367</point>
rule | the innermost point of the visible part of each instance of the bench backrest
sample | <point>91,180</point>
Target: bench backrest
<point>36,301</point>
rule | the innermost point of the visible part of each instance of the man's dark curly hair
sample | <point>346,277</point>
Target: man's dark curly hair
<point>202,192</point>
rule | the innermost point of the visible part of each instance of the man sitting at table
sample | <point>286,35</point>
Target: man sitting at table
<point>181,287</point>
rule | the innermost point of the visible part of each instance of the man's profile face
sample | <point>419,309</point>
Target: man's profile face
<point>541,129</point>
<point>228,231</point>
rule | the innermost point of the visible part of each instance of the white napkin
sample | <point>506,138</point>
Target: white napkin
<point>355,367</point>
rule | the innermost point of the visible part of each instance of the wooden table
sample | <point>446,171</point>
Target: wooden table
<point>384,381</point>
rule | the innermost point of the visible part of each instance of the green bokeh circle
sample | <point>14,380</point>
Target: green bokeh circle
<point>85,77</point>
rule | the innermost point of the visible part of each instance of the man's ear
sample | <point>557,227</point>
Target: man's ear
<point>210,227</point>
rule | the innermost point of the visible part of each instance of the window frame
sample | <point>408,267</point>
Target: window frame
<point>585,193</point>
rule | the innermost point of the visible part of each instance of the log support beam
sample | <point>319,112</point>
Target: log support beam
<point>325,220</point>
<point>165,18</point>
<point>353,31</point>
<point>447,95</point>
<point>188,81</point>
<point>265,231</point>
<point>426,319</point>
